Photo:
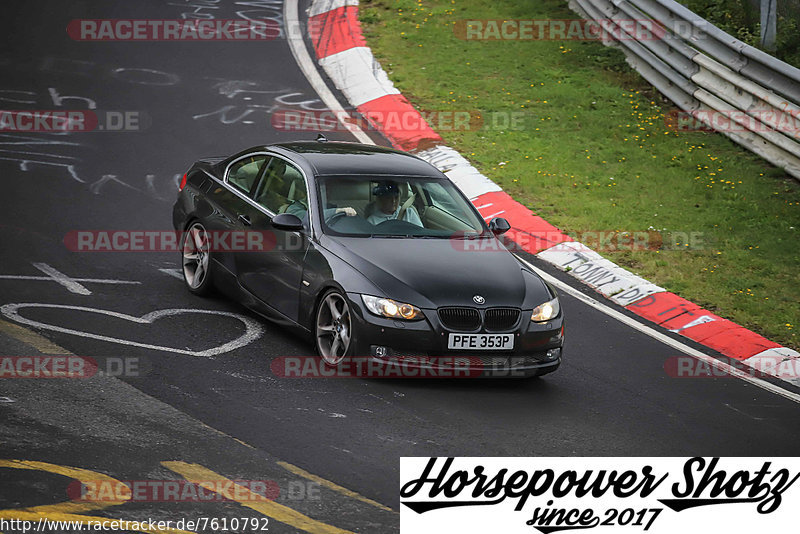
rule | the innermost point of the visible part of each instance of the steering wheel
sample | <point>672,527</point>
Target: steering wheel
<point>335,217</point>
<point>406,205</point>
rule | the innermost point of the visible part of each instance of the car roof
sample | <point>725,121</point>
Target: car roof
<point>339,158</point>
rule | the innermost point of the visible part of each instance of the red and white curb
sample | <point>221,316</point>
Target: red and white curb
<point>342,52</point>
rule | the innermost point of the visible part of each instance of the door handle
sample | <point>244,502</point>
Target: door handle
<point>245,219</point>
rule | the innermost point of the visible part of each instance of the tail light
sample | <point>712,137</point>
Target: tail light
<point>183,183</point>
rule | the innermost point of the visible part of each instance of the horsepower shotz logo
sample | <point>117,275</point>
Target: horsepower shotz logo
<point>557,494</point>
<point>482,487</point>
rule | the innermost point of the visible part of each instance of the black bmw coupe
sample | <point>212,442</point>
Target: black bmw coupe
<point>373,252</point>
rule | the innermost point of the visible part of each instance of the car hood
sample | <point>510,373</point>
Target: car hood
<point>430,273</point>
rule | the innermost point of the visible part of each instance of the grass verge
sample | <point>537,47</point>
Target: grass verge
<point>593,152</point>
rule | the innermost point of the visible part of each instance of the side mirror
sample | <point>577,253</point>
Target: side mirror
<point>288,222</point>
<point>499,226</point>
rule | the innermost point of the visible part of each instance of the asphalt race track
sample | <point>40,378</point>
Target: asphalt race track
<point>611,395</point>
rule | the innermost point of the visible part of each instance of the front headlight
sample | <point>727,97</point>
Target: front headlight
<point>545,312</point>
<point>389,308</point>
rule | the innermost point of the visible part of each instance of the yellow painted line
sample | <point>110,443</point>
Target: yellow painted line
<point>210,480</point>
<point>24,515</point>
<point>238,441</point>
<point>70,510</point>
<point>40,343</point>
<point>332,485</point>
<point>45,346</point>
<point>67,507</point>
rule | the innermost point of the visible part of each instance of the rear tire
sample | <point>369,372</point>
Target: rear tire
<point>196,260</point>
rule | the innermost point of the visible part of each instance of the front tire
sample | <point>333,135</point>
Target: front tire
<point>196,259</point>
<point>335,335</point>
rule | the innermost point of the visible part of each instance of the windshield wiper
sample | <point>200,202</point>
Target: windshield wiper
<point>472,236</point>
<point>409,236</point>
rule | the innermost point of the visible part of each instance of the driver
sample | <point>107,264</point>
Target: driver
<point>388,205</point>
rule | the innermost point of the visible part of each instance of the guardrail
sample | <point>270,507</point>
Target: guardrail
<point>727,85</point>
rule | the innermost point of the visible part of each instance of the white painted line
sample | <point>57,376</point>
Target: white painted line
<point>253,329</point>
<point>300,52</point>
<point>62,279</point>
<point>173,272</point>
<point>22,277</point>
<point>105,281</point>
<point>50,279</point>
<point>636,325</point>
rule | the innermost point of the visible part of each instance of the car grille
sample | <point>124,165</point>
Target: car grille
<point>460,318</point>
<point>499,319</point>
<point>469,319</point>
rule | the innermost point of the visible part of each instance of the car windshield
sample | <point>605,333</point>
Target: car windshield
<point>396,206</point>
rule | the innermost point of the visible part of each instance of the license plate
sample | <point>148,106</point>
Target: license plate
<point>480,341</point>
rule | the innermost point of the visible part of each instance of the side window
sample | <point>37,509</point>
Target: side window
<point>282,189</point>
<point>441,198</point>
<point>243,173</point>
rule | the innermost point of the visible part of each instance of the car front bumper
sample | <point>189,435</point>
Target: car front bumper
<point>422,346</point>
